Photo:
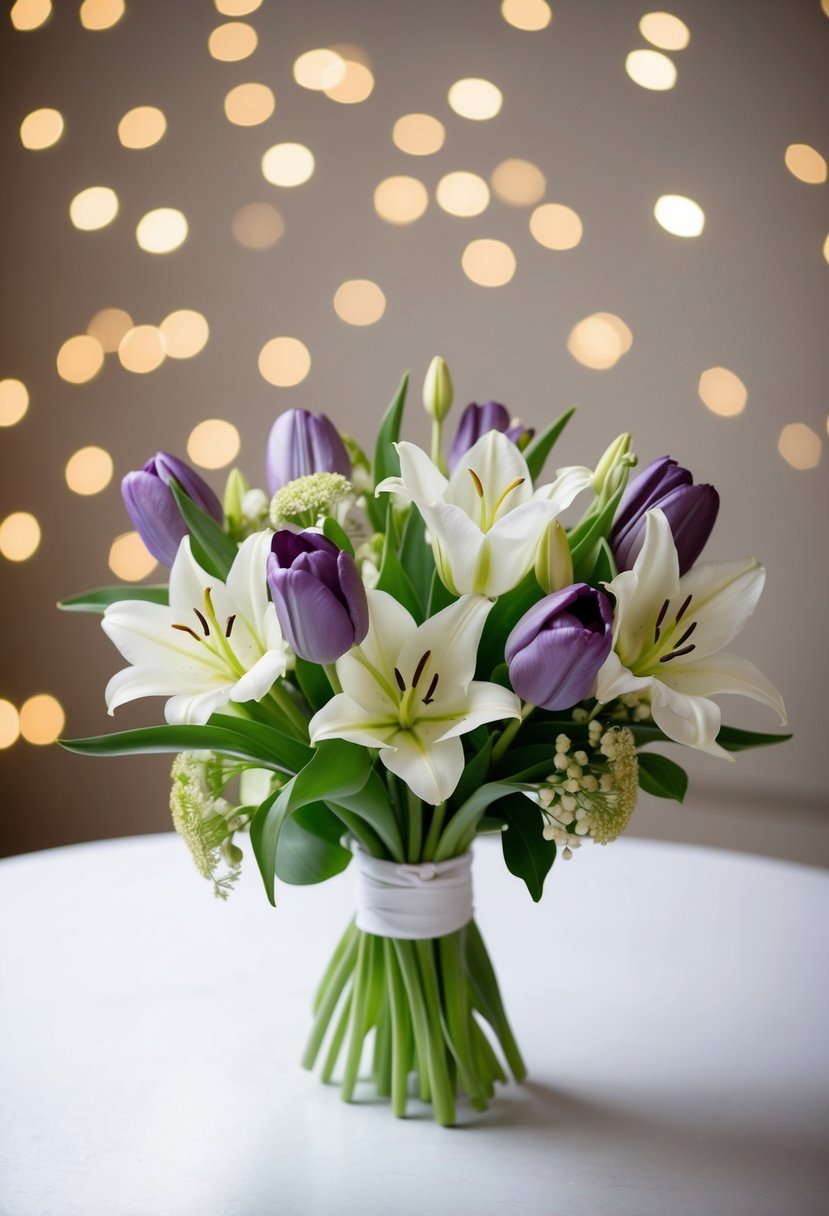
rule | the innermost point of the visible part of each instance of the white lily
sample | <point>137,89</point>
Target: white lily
<point>485,521</point>
<point>215,642</point>
<point>668,632</point>
<point>408,690</point>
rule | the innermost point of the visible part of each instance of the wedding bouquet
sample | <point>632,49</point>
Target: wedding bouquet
<point>377,660</point>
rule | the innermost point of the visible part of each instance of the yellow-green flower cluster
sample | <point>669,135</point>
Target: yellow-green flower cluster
<point>204,819</point>
<point>592,789</point>
<point>304,500</point>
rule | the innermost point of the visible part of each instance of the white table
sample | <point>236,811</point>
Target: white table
<point>672,1004</point>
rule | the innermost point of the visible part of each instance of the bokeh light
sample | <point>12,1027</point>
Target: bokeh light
<point>101,14</point>
<point>80,359</point>
<point>357,83</point>
<point>14,401</point>
<point>319,69</point>
<point>826,247</point>
<point>679,215</point>
<point>722,392</point>
<point>142,127</point>
<point>19,536</point>
<point>93,208</point>
<point>599,341</point>
<point>41,129</point>
<point>30,14</point>
<point>528,15</point>
<point>109,326</point>
<point>359,302</point>
<point>287,164</point>
<point>665,31</point>
<point>161,230</point>
<point>129,558</point>
<point>651,70</point>
<point>248,105</point>
<point>284,362</point>
<point>488,263</point>
<point>418,134</point>
<point>41,719</point>
<point>9,724</point>
<point>185,333</point>
<point>475,98</point>
<point>462,193</point>
<point>257,226</point>
<point>806,164</point>
<point>142,349</point>
<point>518,182</point>
<point>89,471</point>
<point>799,446</point>
<point>555,226</point>
<point>400,200</point>
<point>213,444</point>
<point>232,41</point>
<point>237,8</point>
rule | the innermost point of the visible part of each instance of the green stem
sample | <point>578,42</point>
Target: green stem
<point>362,981</point>
<point>359,829</point>
<point>597,708</point>
<point>335,1046</point>
<point>400,1031</point>
<point>415,825</point>
<point>485,985</point>
<point>420,1025</point>
<point>443,1096</point>
<point>459,1015</point>
<point>437,444</point>
<point>336,957</point>
<point>284,702</point>
<point>333,679</point>
<point>509,732</point>
<point>329,1003</point>
<point>433,835</point>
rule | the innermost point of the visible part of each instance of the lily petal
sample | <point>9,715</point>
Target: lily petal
<point>497,464</point>
<point>420,480</point>
<point>451,639</point>
<point>654,578</point>
<point>691,720</point>
<point>725,673</point>
<point>484,702</point>
<point>431,772</point>
<point>725,595</point>
<point>569,483</point>
<point>344,718</point>
<point>194,710</point>
<point>363,676</point>
<point>614,680</point>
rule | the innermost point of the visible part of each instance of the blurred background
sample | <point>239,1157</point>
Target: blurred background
<point>216,211</point>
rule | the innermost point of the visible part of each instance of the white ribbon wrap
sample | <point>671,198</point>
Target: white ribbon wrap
<point>414,902</point>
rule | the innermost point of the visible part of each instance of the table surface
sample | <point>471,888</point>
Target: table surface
<point>672,1004</point>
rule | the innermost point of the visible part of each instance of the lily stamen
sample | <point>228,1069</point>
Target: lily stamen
<point>476,481</point>
<point>187,629</point>
<point>513,485</point>
<point>660,619</point>
<point>203,623</point>
<point>401,683</point>
<point>675,654</point>
<point>424,658</point>
<point>229,624</point>
<point>683,609</point>
<point>686,634</point>
<point>429,698</point>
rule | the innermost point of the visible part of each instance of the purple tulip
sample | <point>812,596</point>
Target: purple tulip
<point>301,443</point>
<point>319,596</point>
<point>558,646</point>
<point>152,508</point>
<point>691,511</point>
<point>475,421</point>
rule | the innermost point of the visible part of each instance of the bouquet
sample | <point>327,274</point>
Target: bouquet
<point>377,660</point>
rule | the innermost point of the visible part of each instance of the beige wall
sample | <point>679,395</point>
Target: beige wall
<point>750,294</point>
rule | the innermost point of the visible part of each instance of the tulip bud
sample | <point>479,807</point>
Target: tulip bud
<point>302,443</point>
<point>477,420</point>
<point>558,646</point>
<point>691,511</point>
<point>319,597</point>
<point>611,468</point>
<point>437,390</point>
<point>554,564</point>
<point>152,508</point>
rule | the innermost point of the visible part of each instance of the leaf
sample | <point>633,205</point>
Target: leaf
<point>271,742</point>
<point>505,614</point>
<point>661,777</point>
<point>540,448</point>
<point>460,830</point>
<point>313,683</point>
<point>527,854</point>
<point>101,597</point>
<point>734,740</point>
<point>371,804</point>
<point>416,557</point>
<point>474,773</point>
<point>335,769</point>
<point>604,568</point>
<point>337,535</point>
<point>309,846</point>
<point>386,461</point>
<point>393,578</point>
<point>585,538</point>
<point>212,548</point>
<point>241,743</point>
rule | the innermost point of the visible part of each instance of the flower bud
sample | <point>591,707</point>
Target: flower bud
<point>236,487</point>
<point>152,508</point>
<point>558,646</point>
<point>554,564</point>
<point>477,420</point>
<point>611,467</point>
<point>437,390</point>
<point>302,443</point>
<point>691,511</point>
<point>319,597</point>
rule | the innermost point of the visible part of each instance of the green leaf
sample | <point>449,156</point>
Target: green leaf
<point>386,461</point>
<point>661,777</point>
<point>239,742</point>
<point>586,536</point>
<point>474,773</point>
<point>309,846</point>
<point>313,683</point>
<point>371,804</point>
<point>527,854</point>
<point>335,769</point>
<point>416,556</point>
<point>505,614</point>
<point>290,752</point>
<point>460,830</point>
<point>604,568</point>
<point>540,448</point>
<point>393,578</point>
<point>101,597</point>
<point>734,740</point>
<point>337,535</point>
<point>212,548</point>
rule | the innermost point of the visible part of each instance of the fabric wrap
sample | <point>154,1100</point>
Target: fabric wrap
<point>415,902</point>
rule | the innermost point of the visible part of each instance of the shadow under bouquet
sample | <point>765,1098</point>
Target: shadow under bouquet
<point>377,660</point>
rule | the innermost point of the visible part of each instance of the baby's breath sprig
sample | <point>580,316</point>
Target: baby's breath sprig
<point>305,500</point>
<point>204,819</point>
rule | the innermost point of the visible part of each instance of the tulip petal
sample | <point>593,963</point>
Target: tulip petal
<point>154,514</point>
<point>431,772</point>
<point>195,487</point>
<point>314,621</point>
<point>726,673</point>
<point>344,718</point>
